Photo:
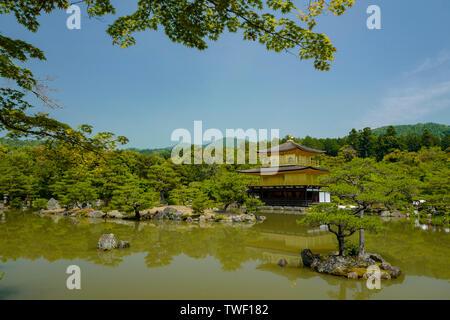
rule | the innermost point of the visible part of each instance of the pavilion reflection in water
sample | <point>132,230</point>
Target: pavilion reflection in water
<point>274,244</point>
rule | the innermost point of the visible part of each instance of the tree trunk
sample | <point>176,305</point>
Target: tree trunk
<point>341,245</point>
<point>137,214</point>
<point>341,241</point>
<point>361,237</point>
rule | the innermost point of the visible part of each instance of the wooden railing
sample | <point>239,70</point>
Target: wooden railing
<point>287,202</point>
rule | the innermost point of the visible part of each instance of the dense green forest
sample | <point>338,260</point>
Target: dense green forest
<point>129,181</point>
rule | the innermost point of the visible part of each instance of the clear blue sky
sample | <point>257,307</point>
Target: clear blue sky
<point>397,75</point>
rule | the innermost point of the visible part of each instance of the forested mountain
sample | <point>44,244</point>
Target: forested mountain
<point>153,152</point>
<point>366,142</point>
<point>435,129</point>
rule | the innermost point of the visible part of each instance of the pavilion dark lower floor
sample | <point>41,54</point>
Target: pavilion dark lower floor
<point>301,196</point>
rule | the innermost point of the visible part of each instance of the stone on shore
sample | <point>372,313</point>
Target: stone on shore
<point>96,214</point>
<point>176,215</point>
<point>52,204</point>
<point>249,217</point>
<point>115,214</point>
<point>168,210</point>
<point>158,215</point>
<point>236,219</point>
<point>107,242</point>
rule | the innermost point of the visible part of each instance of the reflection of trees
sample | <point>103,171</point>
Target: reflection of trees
<point>338,287</point>
<point>225,243</point>
<point>32,237</point>
<point>343,289</point>
<point>415,251</point>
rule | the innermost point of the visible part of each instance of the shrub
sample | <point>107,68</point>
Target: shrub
<point>351,248</point>
<point>219,217</point>
<point>201,203</point>
<point>252,204</point>
<point>16,203</point>
<point>40,203</point>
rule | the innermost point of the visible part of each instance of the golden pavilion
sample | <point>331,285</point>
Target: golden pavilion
<point>294,182</point>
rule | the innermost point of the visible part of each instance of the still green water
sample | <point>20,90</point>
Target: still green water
<point>176,260</point>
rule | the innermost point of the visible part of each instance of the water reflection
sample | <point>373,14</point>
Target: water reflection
<point>31,237</point>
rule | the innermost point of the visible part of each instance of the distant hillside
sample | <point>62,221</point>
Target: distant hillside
<point>152,152</point>
<point>435,128</point>
<point>162,151</point>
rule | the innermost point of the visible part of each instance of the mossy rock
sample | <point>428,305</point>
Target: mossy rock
<point>359,271</point>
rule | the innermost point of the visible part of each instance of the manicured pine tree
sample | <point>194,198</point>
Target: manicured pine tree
<point>134,195</point>
<point>162,178</point>
<point>363,183</point>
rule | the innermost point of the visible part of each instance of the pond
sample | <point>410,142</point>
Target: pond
<point>177,260</point>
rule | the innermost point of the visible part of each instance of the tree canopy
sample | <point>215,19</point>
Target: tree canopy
<point>191,23</point>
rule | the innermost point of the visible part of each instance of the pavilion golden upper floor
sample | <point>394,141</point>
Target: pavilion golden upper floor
<point>298,166</point>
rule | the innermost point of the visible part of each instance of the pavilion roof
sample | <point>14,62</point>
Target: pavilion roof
<point>291,145</point>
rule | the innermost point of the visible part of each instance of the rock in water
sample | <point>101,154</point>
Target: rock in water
<point>107,242</point>
<point>52,204</point>
<point>123,244</point>
<point>375,256</point>
<point>308,258</point>
<point>349,266</point>
<point>395,272</point>
<point>282,262</point>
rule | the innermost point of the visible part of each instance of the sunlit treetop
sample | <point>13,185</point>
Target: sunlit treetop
<point>192,23</point>
<point>279,25</point>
